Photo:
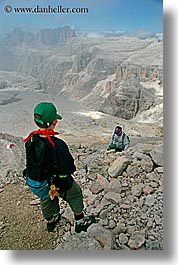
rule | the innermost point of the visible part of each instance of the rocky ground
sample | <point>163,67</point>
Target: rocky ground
<point>125,192</point>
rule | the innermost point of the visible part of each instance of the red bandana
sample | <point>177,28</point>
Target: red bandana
<point>47,133</point>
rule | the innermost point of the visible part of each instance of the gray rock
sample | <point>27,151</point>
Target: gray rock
<point>96,188</point>
<point>118,166</point>
<point>157,155</point>
<point>150,200</point>
<point>114,185</point>
<point>120,228</point>
<point>79,242</point>
<point>123,238</point>
<point>137,190</point>
<point>147,164</point>
<point>113,197</point>
<point>136,240</point>
<point>102,235</point>
<point>153,245</point>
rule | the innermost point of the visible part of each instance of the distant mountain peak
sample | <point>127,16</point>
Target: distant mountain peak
<point>46,36</point>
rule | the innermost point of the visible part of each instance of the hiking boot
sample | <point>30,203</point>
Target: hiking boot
<point>52,225</point>
<point>84,223</point>
<point>110,151</point>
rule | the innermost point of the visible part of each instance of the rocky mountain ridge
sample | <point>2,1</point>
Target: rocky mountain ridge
<point>76,67</point>
<point>43,37</point>
<point>141,34</point>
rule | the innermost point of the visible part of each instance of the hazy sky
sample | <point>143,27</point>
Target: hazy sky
<point>129,15</point>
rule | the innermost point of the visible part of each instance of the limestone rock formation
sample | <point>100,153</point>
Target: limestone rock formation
<point>43,37</point>
<point>114,75</point>
<point>142,73</point>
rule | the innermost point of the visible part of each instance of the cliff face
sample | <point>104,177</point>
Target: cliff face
<point>147,73</point>
<point>127,96</point>
<point>106,74</point>
<point>125,100</point>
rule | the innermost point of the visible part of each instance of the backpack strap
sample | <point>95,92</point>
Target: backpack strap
<point>123,136</point>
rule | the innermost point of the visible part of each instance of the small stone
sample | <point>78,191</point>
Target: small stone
<point>123,239</point>
<point>136,240</point>
<point>35,202</point>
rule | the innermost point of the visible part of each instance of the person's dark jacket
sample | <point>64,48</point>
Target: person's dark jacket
<point>60,163</point>
<point>61,157</point>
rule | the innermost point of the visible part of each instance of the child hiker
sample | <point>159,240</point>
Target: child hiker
<point>49,169</point>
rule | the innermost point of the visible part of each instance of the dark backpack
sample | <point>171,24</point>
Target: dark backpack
<point>123,137</point>
<point>38,163</point>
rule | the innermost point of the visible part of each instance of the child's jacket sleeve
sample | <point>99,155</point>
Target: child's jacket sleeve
<point>64,159</point>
